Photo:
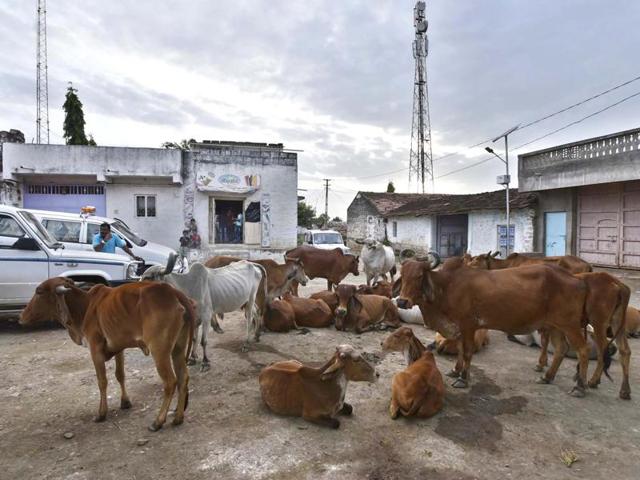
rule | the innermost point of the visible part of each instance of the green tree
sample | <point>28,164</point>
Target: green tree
<point>73,119</point>
<point>321,220</point>
<point>91,141</point>
<point>391,187</point>
<point>306,215</point>
<point>336,219</point>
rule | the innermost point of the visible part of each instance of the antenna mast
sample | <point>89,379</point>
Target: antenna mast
<point>420,156</point>
<point>42,83</point>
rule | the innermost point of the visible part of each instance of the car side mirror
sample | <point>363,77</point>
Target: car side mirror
<point>26,243</point>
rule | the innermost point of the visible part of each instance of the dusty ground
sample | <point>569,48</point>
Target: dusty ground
<point>505,426</point>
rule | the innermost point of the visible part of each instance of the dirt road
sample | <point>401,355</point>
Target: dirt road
<point>504,426</point>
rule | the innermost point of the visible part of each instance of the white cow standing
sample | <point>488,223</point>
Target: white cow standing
<point>378,260</point>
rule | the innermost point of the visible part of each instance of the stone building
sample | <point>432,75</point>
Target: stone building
<point>241,195</point>
<point>589,198</point>
<point>447,224</point>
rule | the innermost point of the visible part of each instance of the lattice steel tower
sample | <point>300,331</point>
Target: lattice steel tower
<point>42,83</point>
<point>420,157</point>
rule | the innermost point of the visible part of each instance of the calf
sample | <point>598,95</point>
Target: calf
<point>633,322</point>
<point>446,346</point>
<point>154,317</point>
<point>330,298</point>
<point>382,288</point>
<point>417,391</point>
<point>315,394</point>
<point>363,312</point>
<point>310,312</point>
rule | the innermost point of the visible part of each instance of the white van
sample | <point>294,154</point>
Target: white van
<point>29,255</point>
<point>325,239</point>
<point>76,232</point>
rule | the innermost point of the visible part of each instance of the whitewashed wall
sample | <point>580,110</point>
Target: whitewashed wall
<point>483,230</point>
<point>166,227</point>
<point>413,232</point>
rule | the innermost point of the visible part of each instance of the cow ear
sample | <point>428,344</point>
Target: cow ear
<point>337,364</point>
<point>355,304</point>
<point>427,284</point>
<point>397,287</point>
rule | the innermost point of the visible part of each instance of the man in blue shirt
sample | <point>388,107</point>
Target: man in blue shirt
<point>106,242</point>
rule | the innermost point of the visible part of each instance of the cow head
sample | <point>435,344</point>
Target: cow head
<point>417,285</point>
<point>154,273</point>
<point>484,261</point>
<point>347,302</point>
<point>352,263</point>
<point>49,303</point>
<point>364,290</point>
<point>352,364</point>
<point>296,270</point>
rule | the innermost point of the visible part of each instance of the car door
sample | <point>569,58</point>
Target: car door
<point>65,231</point>
<point>24,266</point>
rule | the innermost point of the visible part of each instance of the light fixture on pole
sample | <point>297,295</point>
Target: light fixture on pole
<point>505,179</point>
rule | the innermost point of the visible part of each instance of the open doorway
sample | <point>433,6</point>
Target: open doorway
<point>229,221</point>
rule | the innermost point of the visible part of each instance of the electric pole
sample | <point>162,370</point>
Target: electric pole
<point>42,82</point>
<point>326,201</point>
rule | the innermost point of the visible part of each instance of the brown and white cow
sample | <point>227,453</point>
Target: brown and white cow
<point>154,317</point>
<point>418,390</point>
<point>458,300</point>
<point>363,312</point>
<point>309,312</point>
<point>334,265</point>
<point>315,394</point>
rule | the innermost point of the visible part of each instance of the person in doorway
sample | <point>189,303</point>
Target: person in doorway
<point>106,242</point>
<point>228,226</point>
<point>238,228</point>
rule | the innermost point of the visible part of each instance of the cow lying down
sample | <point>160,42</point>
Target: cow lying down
<point>446,346</point>
<point>534,340</point>
<point>418,390</point>
<point>315,394</point>
<point>364,312</point>
<point>632,322</point>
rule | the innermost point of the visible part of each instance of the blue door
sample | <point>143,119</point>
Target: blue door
<point>555,238</point>
<point>66,198</point>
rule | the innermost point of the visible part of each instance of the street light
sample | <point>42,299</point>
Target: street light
<point>505,179</point>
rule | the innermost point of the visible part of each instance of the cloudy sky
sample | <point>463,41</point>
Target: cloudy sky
<point>332,78</point>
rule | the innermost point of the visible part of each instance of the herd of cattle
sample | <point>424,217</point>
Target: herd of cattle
<point>166,313</point>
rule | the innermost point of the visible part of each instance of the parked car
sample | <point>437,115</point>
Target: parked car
<point>76,232</point>
<point>325,239</point>
<point>29,255</point>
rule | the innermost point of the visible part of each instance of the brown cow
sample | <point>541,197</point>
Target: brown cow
<point>632,322</point>
<point>457,300</point>
<point>363,312</point>
<point>449,346</point>
<point>488,261</point>
<point>310,312</point>
<point>330,298</point>
<point>381,287</point>
<point>315,394</point>
<point>333,265</point>
<point>154,317</point>
<point>417,391</point>
<point>280,317</point>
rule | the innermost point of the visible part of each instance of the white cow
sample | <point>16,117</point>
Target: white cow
<point>378,260</point>
<point>218,291</point>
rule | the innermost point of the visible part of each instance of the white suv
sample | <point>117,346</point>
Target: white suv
<point>29,255</point>
<point>325,239</point>
<point>76,232</point>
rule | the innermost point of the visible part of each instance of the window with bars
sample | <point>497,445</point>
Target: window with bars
<point>145,205</point>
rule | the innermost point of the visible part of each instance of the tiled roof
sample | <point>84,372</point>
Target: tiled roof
<point>444,204</point>
<point>385,202</point>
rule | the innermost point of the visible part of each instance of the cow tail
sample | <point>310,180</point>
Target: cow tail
<point>264,282</point>
<point>190,317</point>
<point>620,313</point>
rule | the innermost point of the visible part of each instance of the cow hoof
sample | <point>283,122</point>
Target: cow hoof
<point>538,368</point>
<point>154,427</point>
<point>460,383</point>
<point>543,381</point>
<point>624,395</point>
<point>346,409</point>
<point>303,331</point>
<point>125,403</point>
<point>100,418</point>
<point>218,329</point>
<point>335,424</point>
<point>205,367</point>
<point>452,374</point>
<point>191,361</point>
<point>593,384</point>
<point>577,392</point>
<point>177,421</point>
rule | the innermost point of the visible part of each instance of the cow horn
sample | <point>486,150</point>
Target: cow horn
<point>436,260</point>
<point>61,289</point>
<point>496,254</point>
<point>170,263</point>
<point>489,254</point>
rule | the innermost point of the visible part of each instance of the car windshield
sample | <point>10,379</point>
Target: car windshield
<point>126,231</point>
<point>35,225</point>
<point>327,238</point>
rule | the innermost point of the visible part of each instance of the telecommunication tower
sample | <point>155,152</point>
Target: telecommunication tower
<point>420,156</point>
<point>42,83</point>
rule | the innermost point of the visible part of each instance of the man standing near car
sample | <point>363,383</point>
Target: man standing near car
<point>106,242</point>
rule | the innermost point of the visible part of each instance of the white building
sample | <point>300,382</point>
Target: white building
<point>447,224</point>
<point>241,195</point>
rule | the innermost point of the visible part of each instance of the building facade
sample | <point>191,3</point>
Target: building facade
<point>242,196</point>
<point>589,198</point>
